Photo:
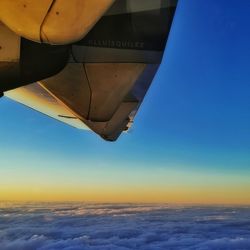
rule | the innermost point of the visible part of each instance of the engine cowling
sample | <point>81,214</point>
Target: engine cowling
<point>52,21</point>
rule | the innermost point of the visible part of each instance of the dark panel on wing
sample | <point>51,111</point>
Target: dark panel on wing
<point>146,30</point>
<point>132,31</point>
<point>36,62</point>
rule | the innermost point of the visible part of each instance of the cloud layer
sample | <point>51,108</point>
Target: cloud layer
<point>122,227</point>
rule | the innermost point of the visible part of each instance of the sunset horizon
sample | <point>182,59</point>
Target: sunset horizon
<point>100,167</point>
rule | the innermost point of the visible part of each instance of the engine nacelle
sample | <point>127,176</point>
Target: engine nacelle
<point>52,21</point>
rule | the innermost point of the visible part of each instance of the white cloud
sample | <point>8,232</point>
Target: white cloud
<point>122,227</point>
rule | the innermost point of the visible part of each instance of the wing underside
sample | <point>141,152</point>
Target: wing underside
<point>106,107</point>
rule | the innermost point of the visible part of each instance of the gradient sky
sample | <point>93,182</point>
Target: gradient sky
<point>190,141</point>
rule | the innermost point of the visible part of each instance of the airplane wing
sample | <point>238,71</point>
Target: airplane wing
<point>100,81</point>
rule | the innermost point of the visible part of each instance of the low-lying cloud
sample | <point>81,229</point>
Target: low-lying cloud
<point>122,227</point>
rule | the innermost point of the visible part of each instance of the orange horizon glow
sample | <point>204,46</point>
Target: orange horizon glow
<point>111,184</point>
<point>206,196</point>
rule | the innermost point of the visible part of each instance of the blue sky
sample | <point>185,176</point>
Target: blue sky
<point>195,118</point>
